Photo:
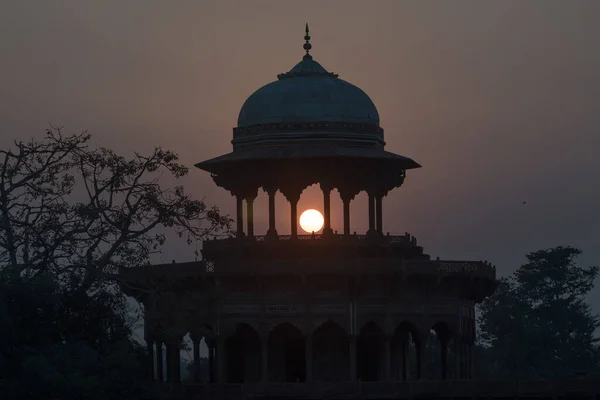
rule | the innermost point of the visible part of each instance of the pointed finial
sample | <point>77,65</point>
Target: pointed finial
<point>307,46</point>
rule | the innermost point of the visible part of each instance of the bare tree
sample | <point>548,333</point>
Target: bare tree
<point>82,212</point>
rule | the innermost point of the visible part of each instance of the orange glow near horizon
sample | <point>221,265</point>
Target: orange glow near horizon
<point>311,221</point>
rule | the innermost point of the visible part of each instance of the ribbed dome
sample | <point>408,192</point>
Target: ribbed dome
<point>308,94</point>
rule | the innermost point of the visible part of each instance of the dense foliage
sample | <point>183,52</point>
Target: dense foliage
<point>538,323</point>
<point>72,215</point>
<point>58,344</point>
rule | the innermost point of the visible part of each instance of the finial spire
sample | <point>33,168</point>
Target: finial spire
<point>307,46</point>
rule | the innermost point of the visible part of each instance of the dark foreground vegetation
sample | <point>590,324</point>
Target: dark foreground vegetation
<point>72,215</point>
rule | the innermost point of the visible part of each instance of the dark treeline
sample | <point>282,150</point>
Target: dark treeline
<point>72,215</point>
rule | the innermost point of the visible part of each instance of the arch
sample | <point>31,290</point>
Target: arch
<point>438,357</point>
<point>243,354</point>
<point>286,354</point>
<point>380,322</point>
<point>331,357</point>
<point>202,349</point>
<point>369,353</point>
<point>406,348</point>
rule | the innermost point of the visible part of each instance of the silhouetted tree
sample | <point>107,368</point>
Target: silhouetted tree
<point>70,217</point>
<point>82,212</point>
<point>538,323</point>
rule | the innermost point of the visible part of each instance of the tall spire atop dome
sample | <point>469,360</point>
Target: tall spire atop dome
<point>307,46</point>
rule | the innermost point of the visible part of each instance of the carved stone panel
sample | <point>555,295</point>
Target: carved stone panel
<point>286,309</point>
<point>371,308</point>
<point>458,267</point>
<point>328,308</point>
<point>399,308</point>
<point>240,308</point>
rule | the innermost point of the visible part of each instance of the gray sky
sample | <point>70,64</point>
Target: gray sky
<point>497,100</point>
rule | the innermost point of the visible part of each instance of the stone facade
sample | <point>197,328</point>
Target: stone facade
<point>367,319</point>
<point>320,316</point>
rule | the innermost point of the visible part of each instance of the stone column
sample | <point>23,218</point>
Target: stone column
<point>371,214</point>
<point>308,355</point>
<point>470,358</point>
<point>294,216</point>
<point>264,359</point>
<point>173,361</point>
<point>326,209</point>
<point>250,215</point>
<point>456,353</point>
<point>292,193</point>
<point>196,350</point>
<point>271,192</point>
<point>404,345</point>
<point>221,360</point>
<point>211,360</point>
<point>160,374</point>
<point>421,356</point>
<point>444,356</point>
<point>240,216</point>
<point>379,212</point>
<point>346,202</point>
<point>386,357</point>
<point>353,340</point>
<point>150,353</point>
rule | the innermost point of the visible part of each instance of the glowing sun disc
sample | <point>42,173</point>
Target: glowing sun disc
<point>311,221</point>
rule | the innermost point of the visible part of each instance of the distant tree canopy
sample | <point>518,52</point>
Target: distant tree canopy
<point>70,216</point>
<point>538,323</point>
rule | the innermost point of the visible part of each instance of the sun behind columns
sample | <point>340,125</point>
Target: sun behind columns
<point>311,221</point>
<point>312,198</point>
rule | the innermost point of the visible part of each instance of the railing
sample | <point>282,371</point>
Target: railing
<point>381,390</point>
<point>318,239</point>
<point>384,239</point>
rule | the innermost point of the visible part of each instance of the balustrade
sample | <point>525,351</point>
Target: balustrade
<point>377,390</point>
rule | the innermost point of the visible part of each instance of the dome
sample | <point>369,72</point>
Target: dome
<point>308,94</point>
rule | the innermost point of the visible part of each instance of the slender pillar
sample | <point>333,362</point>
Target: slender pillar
<point>272,231</point>
<point>346,202</point>
<point>240,216</point>
<point>470,358</point>
<point>150,365</point>
<point>421,356</point>
<point>326,210</point>
<point>211,360</point>
<point>386,358</point>
<point>308,355</point>
<point>160,374</point>
<point>250,215</point>
<point>404,356</point>
<point>371,213</point>
<point>444,357</point>
<point>456,352</point>
<point>173,362</point>
<point>196,349</point>
<point>353,375</point>
<point>264,359</point>
<point>221,367</point>
<point>379,212</point>
<point>294,216</point>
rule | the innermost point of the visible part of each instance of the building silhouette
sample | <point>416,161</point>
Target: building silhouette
<point>320,315</point>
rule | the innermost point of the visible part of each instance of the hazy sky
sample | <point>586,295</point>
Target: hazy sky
<point>499,101</point>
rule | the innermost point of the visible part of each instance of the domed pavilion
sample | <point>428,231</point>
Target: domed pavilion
<point>318,315</point>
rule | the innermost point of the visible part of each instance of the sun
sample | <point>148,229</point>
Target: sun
<point>311,221</point>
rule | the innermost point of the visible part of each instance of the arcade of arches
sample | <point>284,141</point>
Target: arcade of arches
<point>329,354</point>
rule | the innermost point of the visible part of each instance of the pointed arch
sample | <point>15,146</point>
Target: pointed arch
<point>331,356</point>
<point>369,353</point>
<point>406,347</point>
<point>243,354</point>
<point>286,354</point>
